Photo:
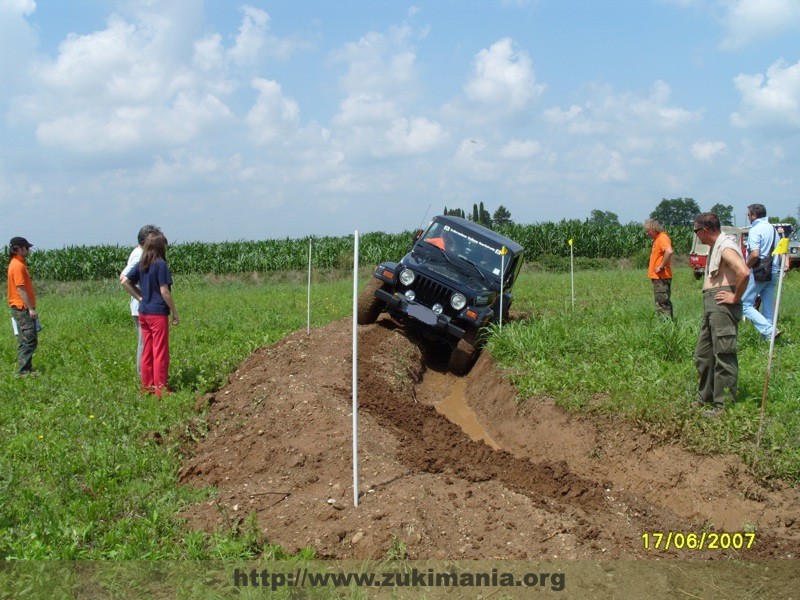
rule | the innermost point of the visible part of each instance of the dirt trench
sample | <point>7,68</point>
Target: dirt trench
<point>513,480</point>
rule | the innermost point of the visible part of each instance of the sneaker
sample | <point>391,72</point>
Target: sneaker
<point>712,413</point>
<point>698,403</point>
<point>778,334</point>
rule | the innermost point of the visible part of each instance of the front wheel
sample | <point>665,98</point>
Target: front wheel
<point>369,307</point>
<point>464,355</point>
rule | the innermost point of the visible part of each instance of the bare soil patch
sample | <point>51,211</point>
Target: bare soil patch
<point>518,481</point>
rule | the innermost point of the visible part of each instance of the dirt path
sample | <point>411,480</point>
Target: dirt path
<point>509,481</point>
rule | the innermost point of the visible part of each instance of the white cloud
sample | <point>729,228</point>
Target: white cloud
<point>607,113</point>
<point>380,64</point>
<point>17,45</point>
<point>503,81</point>
<point>24,7</point>
<point>747,21</point>
<point>381,87</point>
<point>771,101</point>
<point>209,55</point>
<point>274,116</point>
<point>149,80</point>
<point>365,109</point>
<point>578,121</point>
<point>705,151</point>
<point>520,149</point>
<point>416,135</point>
<point>131,127</point>
<point>251,38</point>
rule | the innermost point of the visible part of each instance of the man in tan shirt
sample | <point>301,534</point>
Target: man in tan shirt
<point>724,283</point>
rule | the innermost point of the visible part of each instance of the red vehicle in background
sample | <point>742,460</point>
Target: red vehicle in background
<point>699,253</point>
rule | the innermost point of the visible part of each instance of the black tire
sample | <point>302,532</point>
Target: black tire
<point>464,355</point>
<point>369,307</point>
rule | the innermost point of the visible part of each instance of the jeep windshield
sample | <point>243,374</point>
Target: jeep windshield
<point>461,247</point>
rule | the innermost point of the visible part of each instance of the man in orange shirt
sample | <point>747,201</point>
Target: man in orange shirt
<point>660,271</point>
<point>22,300</point>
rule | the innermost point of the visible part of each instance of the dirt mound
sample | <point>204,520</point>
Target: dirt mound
<point>510,481</point>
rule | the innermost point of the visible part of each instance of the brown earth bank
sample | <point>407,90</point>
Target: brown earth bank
<point>495,478</point>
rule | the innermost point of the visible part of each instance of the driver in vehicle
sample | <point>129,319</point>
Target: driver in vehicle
<point>443,241</point>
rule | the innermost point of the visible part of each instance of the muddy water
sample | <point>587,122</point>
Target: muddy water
<point>446,393</point>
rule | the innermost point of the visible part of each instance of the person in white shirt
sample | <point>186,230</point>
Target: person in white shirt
<point>761,241</point>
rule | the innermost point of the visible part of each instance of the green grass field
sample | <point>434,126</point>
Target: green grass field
<point>81,476</point>
<point>611,353</point>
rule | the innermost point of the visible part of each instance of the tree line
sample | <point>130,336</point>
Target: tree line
<point>500,218</point>
<point>681,212</point>
<point>674,212</point>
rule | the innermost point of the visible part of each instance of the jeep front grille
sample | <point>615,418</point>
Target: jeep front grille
<point>429,292</point>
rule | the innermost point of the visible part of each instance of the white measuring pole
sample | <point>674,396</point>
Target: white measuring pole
<point>572,272</point>
<point>308,295</point>
<point>355,371</point>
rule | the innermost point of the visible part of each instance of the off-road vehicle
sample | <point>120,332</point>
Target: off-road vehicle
<point>448,286</point>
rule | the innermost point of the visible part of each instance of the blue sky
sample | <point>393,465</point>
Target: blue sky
<point>221,120</point>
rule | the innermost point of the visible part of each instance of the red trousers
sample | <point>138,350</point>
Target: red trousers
<point>155,354</point>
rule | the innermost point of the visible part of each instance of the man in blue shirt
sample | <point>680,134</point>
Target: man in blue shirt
<point>761,241</point>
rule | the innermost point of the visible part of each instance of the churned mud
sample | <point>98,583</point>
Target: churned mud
<point>452,467</point>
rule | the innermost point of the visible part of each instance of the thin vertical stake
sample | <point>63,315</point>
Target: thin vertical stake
<point>355,371</point>
<point>572,273</point>
<point>769,361</point>
<point>308,295</point>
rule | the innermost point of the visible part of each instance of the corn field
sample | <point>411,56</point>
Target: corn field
<point>89,263</point>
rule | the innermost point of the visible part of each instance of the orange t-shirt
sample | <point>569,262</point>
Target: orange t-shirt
<point>18,276</point>
<point>660,245</point>
<point>436,241</point>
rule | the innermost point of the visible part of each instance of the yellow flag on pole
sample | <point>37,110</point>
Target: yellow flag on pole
<point>782,247</point>
<point>569,241</point>
<point>503,250</point>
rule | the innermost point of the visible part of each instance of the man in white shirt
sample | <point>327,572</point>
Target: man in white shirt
<point>761,241</point>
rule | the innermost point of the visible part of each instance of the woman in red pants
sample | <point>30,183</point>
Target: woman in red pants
<point>151,283</point>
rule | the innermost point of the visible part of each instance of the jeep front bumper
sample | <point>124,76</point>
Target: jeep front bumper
<point>418,312</point>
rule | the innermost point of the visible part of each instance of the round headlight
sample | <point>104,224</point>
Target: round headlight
<point>407,276</point>
<point>410,295</point>
<point>458,301</point>
<point>437,308</point>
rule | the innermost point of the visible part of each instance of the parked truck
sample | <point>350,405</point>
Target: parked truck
<point>699,253</point>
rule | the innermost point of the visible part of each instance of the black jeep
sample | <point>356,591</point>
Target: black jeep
<point>448,286</point>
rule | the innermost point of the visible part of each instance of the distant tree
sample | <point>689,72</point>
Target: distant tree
<point>603,217</point>
<point>724,212</point>
<point>678,211</point>
<point>454,212</point>
<point>791,220</point>
<point>502,216</point>
<point>480,215</point>
<point>485,218</point>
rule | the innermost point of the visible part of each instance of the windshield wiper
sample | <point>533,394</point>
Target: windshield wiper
<point>429,246</point>
<point>474,266</point>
